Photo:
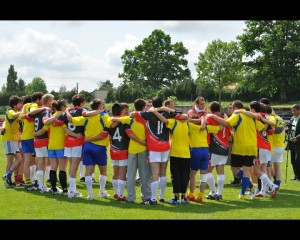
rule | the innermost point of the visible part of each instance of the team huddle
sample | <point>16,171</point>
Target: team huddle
<point>41,135</point>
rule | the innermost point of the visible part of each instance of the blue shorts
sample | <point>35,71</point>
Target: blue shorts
<point>56,153</point>
<point>93,154</point>
<point>199,159</point>
<point>27,146</point>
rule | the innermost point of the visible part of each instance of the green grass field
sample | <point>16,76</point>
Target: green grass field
<point>18,204</point>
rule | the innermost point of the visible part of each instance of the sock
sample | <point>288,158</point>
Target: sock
<point>40,175</point>
<point>154,186</point>
<point>240,174</point>
<point>28,182</point>
<point>265,178</point>
<point>221,181</point>
<point>259,184</point>
<point>48,172</point>
<point>81,170</point>
<point>53,179</point>
<point>121,187</point>
<point>102,180</point>
<point>211,183</point>
<point>9,173</point>
<point>200,195</point>
<point>89,184</point>
<point>115,186</point>
<point>32,173</point>
<point>63,180</point>
<point>72,186</point>
<point>277,182</point>
<point>245,184</point>
<point>163,185</point>
<point>93,175</point>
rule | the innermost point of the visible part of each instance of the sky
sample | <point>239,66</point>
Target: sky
<point>86,52</point>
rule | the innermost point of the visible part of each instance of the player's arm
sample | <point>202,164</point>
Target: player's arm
<point>158,115</point>
<point>37,110</point>
<point>92,113</point>
<point>100,136</point>
<point>52,119</point>
<point>221,121</point>
<point>39,132</point>
<point>203,124</point>
<point>72,134</point>
<point>135,138</point>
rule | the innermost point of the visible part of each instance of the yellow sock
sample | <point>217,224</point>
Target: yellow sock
<point>191,194</point>
<point>200,195</point>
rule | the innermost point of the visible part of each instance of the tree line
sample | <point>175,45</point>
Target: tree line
<point>262,62</point>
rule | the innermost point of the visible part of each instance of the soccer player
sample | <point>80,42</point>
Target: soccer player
<point>10,138</point>
<point>199,109</point>
<point>218,148</point>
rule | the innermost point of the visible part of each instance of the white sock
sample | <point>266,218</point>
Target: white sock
<point>81,170</point>
<point>102,180</point>
<point>121,187</point>
<point>32,173</point>
<point>154,187</point>
<point>47,174</point>
<point>163,185</point>
<point>93,175</point>
<point>40,175</point>
<point>89,184</point>
<point>211,183</point>
<point>221,181</point>
<point>267,180</point>
<point>72,187</point>
<point>137,174</point>
<point>115,186</point>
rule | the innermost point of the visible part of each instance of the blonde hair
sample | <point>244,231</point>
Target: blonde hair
<point>46,98</point>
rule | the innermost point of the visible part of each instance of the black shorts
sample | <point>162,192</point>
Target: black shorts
<point>239,160</point>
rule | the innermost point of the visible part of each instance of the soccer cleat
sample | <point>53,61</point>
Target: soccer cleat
<point>149,202</point>
<point>219,197</point>
<point>104,195</point>
<point>259,195</point>
<point>93,180</point>
<point>7,182</point>
<point>121,199</point>
<point>74,194</point>
<point>241,197</point>
<point>199,200</point>
<point>59,190</point>
<point>185,200</point>
<point>65,192</point>
<point>4,177</point>
<point>253,191</point>
<point>191,197</point>
<point>53,191</point>
<point>162,200</point>
<point>211,197</point>
<point>30,188</point>
<point>173,201</point>
<point>274,191</point>
<point>82,179</point>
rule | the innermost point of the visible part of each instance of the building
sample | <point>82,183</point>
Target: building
<point>99,94</point>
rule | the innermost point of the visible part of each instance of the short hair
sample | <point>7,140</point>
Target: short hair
<point>157,102</point>
<point>57,105</point>
<point>77,99</point>
<point>237,104</point>
<point>14,100</point>
<point>296,106</point>
<point>139,104</point>
<point>26,99</point>
<point>215,106</point>
<point>116,109</point>
<point>46,97</point>
<point>255,105</point>
<point>168,101</point>
<point>265,101</point>
<point>199,98</point>
<point>36,96</point>
<point>96,103</point>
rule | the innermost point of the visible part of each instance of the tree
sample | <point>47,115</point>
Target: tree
<point>11,81</point>
<point>107,85</point>
<point>155,63</point>
<point>21,87</point>
<point>37,85</point>
<point>219,66</point>
<point>110,97</point>
<point>274,51</point>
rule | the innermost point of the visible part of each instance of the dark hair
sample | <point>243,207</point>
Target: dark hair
<point>77,99</point>
<point>116,109</point>
<point>296,106</point>
<point>215,106</point>
<point>167,102</point>
<point>157,102</point>
<point>255,105</point>
<point>36,96</point>
<point>139,104</point>
<point>96,103</point>
<point>237,104</point>
<point>57,105</point>
<point>199,98</point>
<point>26,99</point>
<point>265,101</point>
<point>14,100</point>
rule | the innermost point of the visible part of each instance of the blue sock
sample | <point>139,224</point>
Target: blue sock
<point>9,174</point>
<point>245,184</point>
<point>240,174</point>
<point>277,182</point>
<point>250,184</point>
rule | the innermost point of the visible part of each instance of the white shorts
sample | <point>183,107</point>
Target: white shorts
<point>119,163</point>
<point>10,147</point>
<point>158,156</point>
<point>264,155</point>
<point>277,155</point>
<point>216,159</point>
<point>20,145</point>
<point>41,152</point>
<point>73,152</point>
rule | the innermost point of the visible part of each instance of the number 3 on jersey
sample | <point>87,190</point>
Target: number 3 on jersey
<point>117,135</point>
